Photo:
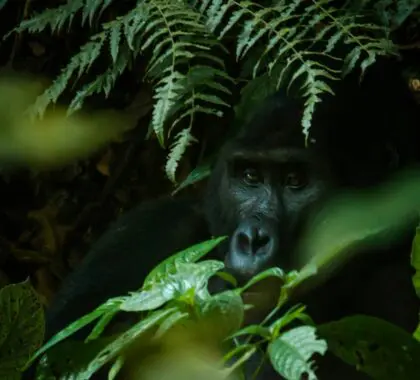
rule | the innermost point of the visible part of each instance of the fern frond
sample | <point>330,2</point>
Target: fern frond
<point>188,77</point>
<point>54,18</point>
<point>197,86</point>
<point>103,82</point>
<point>288,32</point>
<point>114,29</point>
<point>167,92</point>
<point>80,63</point>
<point>348,30</point>
<point>182,140</point>
<point>90,9</point>
<point>283,44</point>
<point>175,36</point>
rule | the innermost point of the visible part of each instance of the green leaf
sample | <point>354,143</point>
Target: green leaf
<point>114,348</point>
<point>416,333</point>
<point>188,277</point>
<point>271,272</point>
<point>150,299</point>
<point>104,320</point>
<point>415,261</point>
<point>182,141</point>
<point>372,218</point>
<point>296,312</point>
<point>198,174</point>
<point>290,353</point>
<point>227,307</point>
<point>116,368</point>
<point>169,322</point>
<point>189,255</point>
<point>228,277</point>
<point>374,346</point>
<point>115,39</point>
<point>107,307</point>
<point>71,356</point>
<point>21,326</point>
<point>253,330</point>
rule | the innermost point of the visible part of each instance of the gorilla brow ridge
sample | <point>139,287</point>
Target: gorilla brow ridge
<point>277,155</point>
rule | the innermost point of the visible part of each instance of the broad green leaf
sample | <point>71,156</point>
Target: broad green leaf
<point>228,308</point>
<point>150,299</point>
<point>291,352</point>
<point>21,326</point>
<point>189,255</point>
<point>349,222</point>
<point>188,276</point>
<point>374,346</point>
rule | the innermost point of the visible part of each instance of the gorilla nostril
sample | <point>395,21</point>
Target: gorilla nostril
<point>244,242</point>
<point>260,241</point>
<point>252,240</point>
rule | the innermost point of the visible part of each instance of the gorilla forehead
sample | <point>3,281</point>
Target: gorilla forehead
<point>275,123</point>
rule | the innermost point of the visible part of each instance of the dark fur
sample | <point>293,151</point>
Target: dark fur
<point>362,135</point>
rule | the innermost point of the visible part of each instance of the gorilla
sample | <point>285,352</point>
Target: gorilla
<point>264,185</point>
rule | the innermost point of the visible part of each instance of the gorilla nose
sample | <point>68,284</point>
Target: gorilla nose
<point>253,248</point>
<point>253,239</point>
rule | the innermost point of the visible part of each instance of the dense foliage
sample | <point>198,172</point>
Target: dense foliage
<point>188,45</point>
<point>196,52</point>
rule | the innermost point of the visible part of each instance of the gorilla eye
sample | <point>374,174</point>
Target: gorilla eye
<point>252,176</point>
<point>295,180</point>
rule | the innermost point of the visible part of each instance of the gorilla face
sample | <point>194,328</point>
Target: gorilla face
<point>262,200</point>
<point>263,187</point>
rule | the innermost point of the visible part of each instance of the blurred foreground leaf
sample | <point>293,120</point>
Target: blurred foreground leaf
<point>415,262</point>
<point>350,222</point>
<point>374,346</point>
<point>56,139</point>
